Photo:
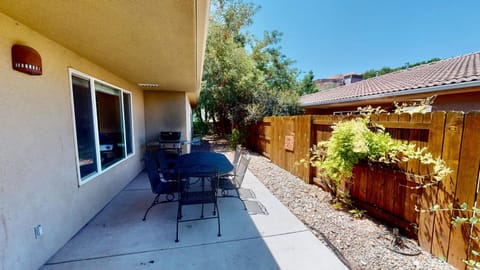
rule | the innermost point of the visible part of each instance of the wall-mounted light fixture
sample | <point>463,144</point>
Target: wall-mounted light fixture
<point>26,60</point>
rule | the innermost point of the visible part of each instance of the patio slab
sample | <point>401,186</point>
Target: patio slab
<point>117,238</point>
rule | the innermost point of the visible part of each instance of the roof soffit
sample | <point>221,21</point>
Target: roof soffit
<point>144,42</point>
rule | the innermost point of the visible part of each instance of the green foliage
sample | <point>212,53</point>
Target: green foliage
<point>244,78</point>
<point>356,140</point>
<point>385,70</point>
<point>288,104</point>
<point>307,85</point>
<point>230,74</point>
<point>201,128</point>
<point>357,213</point>
<point>415,106</point>
<point>235,138</point>
<point>465,214</point>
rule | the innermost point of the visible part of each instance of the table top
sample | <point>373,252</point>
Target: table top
<point>205,159</point>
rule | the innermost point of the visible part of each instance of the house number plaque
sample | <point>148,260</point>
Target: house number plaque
<point>289,142</point>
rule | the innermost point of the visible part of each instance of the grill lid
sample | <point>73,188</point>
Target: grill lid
<point>170,136</point>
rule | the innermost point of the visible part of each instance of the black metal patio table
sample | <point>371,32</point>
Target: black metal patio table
<point>193,161</point>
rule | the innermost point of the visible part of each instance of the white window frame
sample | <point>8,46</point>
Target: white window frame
<point>92,81</point>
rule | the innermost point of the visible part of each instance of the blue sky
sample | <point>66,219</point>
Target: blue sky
<point>340,36</point>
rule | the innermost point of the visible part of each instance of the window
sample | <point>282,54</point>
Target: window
<point>103,125</point>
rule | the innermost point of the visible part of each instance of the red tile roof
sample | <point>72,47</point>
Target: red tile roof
<point>460,69</point>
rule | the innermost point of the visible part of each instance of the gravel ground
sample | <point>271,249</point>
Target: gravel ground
<point>359,243</point>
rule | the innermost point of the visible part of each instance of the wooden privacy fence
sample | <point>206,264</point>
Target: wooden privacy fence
<point>384,192</point>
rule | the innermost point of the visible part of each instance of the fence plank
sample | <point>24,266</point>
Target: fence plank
<point>415,138</point>
<point>378,188</point>
<point>446,188</point>
<point>390,190</point>
<point>363,184</point>
<point>428,199</point>
<point>466,187</point>
<point>303,144</point>
<point>399,194</point>
<point>355,188</point>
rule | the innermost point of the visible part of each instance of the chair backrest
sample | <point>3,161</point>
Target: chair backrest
<point>163,166</point>
<point>236,157</point>
<point>241,169</point>
<point>162,160</point>
<point>152,170</point>
<point>157,181</point>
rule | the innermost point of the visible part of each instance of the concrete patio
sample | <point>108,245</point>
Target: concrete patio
<point>117,238</point>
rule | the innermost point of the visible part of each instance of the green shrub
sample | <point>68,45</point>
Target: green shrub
<point>235,138</point>
<point>356,140</point>
<point>201,128</point>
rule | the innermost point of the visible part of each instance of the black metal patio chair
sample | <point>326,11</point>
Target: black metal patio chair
<point>160,183</point>
<point>236,157</point>
<point>198,186</point>
<point>166,165</point>
<point>234,182</point>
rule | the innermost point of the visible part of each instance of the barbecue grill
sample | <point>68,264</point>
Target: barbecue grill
<point>170,140</point>
<point>171,144</point>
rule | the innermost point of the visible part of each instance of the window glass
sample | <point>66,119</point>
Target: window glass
<point>109,119</point>
<point>84,126</point>
<point>103,125</point>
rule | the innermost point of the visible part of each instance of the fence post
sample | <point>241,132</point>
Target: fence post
<point>466,188</point>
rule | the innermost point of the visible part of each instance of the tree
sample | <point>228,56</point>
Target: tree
<point>230,74</point>
<point>307,85</point>
<point>244,78</point>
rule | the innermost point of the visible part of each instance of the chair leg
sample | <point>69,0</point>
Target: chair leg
<point>155,202</point>
<point>203,190</point>
<point>179,216</point>
<point>215,210</point>
<point>238,196</point>
<point>218,219</point>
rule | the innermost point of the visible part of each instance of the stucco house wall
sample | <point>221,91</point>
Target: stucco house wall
<point>38,171</point>
<point>164,111</point>
<point>167,111</point>
<point>458,102</point>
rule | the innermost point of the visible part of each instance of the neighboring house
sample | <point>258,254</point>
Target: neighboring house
<point>337,80</point>
<point>114,74</point>
<point>454,81</point>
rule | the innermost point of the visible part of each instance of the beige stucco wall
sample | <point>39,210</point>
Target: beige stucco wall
<point>38,177</point>
<point>166,111</point>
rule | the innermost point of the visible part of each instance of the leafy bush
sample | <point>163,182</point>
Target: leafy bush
<point>235,138</point>
<point>357,140</point>
<point>201,128</point>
